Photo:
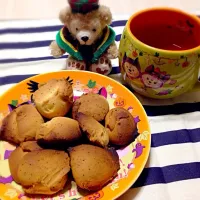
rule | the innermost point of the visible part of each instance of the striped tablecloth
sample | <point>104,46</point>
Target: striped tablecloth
<point>173,169</point>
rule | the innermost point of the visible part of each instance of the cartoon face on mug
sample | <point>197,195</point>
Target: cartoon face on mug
<point>131,67</point>
<point>152,81</point>
<point>154,78</point>
<point>131,70</point>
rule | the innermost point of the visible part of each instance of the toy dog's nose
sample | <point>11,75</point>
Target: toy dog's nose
<point>85,38</point>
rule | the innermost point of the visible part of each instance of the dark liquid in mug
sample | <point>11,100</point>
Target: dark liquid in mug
<point>166,37</point>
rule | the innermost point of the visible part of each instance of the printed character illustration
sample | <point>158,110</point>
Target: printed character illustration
<point>154,78</point>
<point>5,150</point>
<point>138,149</point>
<point>131,67</point>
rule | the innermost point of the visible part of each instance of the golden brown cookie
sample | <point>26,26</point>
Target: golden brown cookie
<point>42,172</point>
<point>91,104</point>
<point>120,126</point>
<point>54,98</point>
<point>21,124</point>
<point>18,154</point>
<point>96,132</point>
<point>92,166</point>
<point>59,129</point>
<point>30,146</point>
<point>14,161</point>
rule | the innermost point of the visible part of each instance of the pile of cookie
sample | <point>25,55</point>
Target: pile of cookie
<point>56,136</point>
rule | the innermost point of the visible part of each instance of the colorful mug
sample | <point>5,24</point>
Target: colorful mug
<point>160,52</point>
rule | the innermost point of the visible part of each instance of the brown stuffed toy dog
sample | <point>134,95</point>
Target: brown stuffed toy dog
<point>86,36</point>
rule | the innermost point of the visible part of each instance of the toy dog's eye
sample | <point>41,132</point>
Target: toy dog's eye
<point>76,29</point>
<point>94,30</point>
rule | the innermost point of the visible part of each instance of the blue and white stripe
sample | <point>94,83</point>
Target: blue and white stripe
<point>173,168</point>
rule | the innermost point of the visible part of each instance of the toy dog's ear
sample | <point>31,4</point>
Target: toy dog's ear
<point>65,14</point>
<point>105,14</point>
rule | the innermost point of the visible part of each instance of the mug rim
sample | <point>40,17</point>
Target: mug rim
<point>191,16</point>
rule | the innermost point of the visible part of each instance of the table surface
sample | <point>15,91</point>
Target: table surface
<point>45,9</point>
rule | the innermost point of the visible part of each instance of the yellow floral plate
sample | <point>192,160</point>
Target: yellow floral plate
<point>132,158</point>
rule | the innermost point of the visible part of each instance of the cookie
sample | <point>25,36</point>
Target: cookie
<point>92,166</point>
<point>59,130</point>
<point>18,154</point>
<point>121,126</point>
<point>93,105</point>
<point>42,171</point>
<point>21,124</point>
<point>30,146</point>
<point>96,132</point>
<point>14,162</point>
<point>54,98</point>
